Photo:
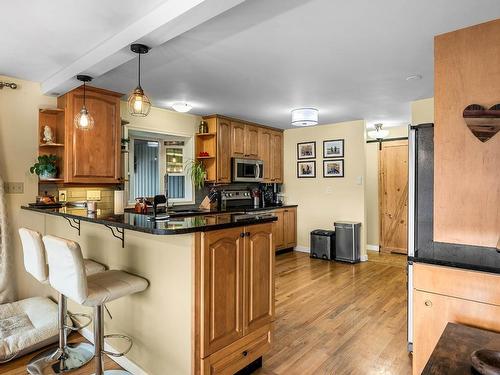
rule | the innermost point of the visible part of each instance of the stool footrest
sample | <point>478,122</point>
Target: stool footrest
<point>118,336</point>
<point>78,327</point>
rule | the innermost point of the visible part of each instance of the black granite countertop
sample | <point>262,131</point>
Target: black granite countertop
<point>200,222</point>
<point>452,352</point>
<point>477,258</point>
<point>239,209</point>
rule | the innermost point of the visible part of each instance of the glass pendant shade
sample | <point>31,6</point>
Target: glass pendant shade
<point>138,103</point>
<point>84,120</point>
<point>305,117</point>
<point>378,133</point>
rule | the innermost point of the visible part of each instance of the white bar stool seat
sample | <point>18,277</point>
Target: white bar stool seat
<point>64,357</point>
<point>68,277</point>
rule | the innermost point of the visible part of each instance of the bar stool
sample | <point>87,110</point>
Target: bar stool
<point>65,357</point>
<point>67,275</point>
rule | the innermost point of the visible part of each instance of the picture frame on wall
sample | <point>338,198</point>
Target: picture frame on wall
<point>333,148</point>
<point>306,150</point>
<point>306,169</point>
<point>333,168</point>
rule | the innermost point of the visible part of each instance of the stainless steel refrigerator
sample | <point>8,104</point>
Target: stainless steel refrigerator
<point>420,202</point>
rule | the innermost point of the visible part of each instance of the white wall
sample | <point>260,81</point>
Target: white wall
<point>322,201</point>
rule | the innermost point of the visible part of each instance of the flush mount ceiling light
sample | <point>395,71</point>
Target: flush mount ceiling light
<point>138,102</point>
<point>83,120</point>
<point>378,133</point>
<point>305,117</point>
<point>182,107</point>
<point>414,77</point>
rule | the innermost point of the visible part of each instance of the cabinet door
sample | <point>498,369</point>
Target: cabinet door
<point>432,312</point>
<point>290,227</point>
<point>224,130</point>
<point>237,139</point>
<point>259,277</point>
<point>278,230</point>
<point>277,157</point>
<point>221,289</point>
<point>265,152</point>
<point>251,141</point>
<point>93,156</point>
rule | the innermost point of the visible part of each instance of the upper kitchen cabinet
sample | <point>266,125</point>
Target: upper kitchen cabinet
<point>244,140</point>
<point>265,151</point>
<point>92,156</point>
<point>276,152</point>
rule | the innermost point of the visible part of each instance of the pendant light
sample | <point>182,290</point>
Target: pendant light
<point>83,119</point>
<point>305,117</point>
<point>378,133</point>
<point>138,102</point>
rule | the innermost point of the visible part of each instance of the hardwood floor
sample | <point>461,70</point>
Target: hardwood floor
<point>331,318</point>
<point>335,318</point>
<point>18,366</point>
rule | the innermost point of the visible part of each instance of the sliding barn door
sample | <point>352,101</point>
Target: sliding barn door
<point>393,196</point>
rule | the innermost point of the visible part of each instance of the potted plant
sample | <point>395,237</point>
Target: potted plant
<point>197,171</point>
<point>45,167</point>
<point>125,142</point>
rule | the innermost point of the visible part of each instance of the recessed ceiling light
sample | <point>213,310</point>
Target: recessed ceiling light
<point>182,107</point>
<point>304,117</point>
<point>414,77</point>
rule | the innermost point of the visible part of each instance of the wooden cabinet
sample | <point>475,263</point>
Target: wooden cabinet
<point>285,228</point>
<point>244,140</point>
<point>444,294</point>
<point>94,155</point>
<point>265,152</point>
<point>223,146</point>
<point>276,157</point>
<point>234,297</point>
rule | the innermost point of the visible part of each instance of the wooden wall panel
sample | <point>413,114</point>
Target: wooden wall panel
<point>467,171</point>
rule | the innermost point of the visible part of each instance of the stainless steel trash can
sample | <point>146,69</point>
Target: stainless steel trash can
<point>347,241</point>
<point>323,244</point>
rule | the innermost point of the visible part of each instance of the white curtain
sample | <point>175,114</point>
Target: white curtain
<point>6,283</point>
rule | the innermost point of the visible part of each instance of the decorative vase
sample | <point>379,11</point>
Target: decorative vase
<point>47,176</point>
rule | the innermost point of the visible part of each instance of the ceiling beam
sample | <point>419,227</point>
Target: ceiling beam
<point>168,20</point>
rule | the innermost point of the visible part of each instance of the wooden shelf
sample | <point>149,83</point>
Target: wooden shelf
<point>51,111</point>
<point>51,181</point>
<point>205,134</point>
<point>205,157</point>
<point>51,145</point>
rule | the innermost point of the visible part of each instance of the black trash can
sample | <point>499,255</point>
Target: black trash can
<point>323,244</point>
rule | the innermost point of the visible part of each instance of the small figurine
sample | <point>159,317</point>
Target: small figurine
<point>48,136</point>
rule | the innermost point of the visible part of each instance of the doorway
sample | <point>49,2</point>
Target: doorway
<point>393,196</point>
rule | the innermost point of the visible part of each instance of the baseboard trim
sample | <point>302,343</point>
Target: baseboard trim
<point>363,258</point>
<point>302,249</point>
<point>124,362</point>
<point>373,247</point>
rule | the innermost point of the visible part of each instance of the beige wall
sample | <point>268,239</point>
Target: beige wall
<point>372,175</point>
<point>325,200</point>
<point>158,320</point>
<point>422,111</point>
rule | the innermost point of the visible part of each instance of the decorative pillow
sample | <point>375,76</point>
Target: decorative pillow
<point>26,326</point>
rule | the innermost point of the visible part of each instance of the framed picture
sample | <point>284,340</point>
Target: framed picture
<point>306,169</point>
<point>333,148</point>
<point>333,168</point>
<point>306,150</point>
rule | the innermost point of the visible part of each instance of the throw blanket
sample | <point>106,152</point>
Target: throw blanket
<point>6,259</point>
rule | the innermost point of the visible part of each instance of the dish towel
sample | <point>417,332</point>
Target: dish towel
<point>6,259</point>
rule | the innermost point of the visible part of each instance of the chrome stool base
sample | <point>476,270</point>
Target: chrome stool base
<point>52,361</point>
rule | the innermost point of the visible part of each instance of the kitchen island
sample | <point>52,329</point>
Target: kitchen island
<point>210,305</point>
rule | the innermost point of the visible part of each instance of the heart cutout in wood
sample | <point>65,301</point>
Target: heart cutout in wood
<point>483,123</point>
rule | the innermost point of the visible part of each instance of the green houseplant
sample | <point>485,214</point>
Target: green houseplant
<point>45,167</point>
<point>197,171</point>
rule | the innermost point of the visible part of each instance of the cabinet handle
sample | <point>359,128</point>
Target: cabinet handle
<point>428,303</point>
<point>242,234</point>
<point>245,353</point>
<point>247,234</point>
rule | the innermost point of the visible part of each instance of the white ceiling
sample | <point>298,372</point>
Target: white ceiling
<point>259,59</point>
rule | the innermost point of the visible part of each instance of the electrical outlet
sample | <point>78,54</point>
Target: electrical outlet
<point>329,190</point>
<point>14,187</point>
<point>93,195</point>
<point>63,195</point>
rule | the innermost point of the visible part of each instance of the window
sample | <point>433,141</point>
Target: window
<point>152,157</point>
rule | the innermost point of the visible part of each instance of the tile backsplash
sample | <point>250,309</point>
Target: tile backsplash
<point>78,194</point>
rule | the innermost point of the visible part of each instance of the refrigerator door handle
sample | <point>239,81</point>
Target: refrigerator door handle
<point>411,190</point>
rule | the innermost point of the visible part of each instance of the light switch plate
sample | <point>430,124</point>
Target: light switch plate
<point>14,187</point>
<point>63,195</point>
<point>359,180</point>
<point>93,195</point>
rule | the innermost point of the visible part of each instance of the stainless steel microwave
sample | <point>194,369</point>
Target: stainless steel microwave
<point>247,170</point>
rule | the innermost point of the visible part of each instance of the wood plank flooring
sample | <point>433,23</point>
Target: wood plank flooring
<point>331,318</point>
<point>335,318</point>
